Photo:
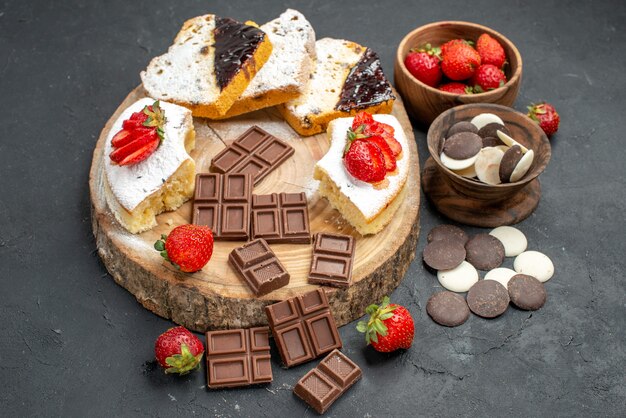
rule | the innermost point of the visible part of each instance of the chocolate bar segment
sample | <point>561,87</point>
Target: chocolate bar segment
<point>256,263</point>
<point>255,152</point>
<point>303,327</point>
<point>222,202</point>
<point>333,257</point>
<point>238,357</point>
<point>324,384</point>
<point>282,218</point>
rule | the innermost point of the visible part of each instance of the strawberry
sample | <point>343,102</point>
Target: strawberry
<point>389,327</point>
<point>119,154</point>
<point>371,127</point>
<point>141,154</point>
<point>362,118</point>
<point>460,61</point>
<point>122,138</point>
<point>448,45</point>
<point>546,116</point>
<point>178,351</point>
<point>188,247</point>
<point>423,64</point>
<point>365,161</point>
<point>136,120</point>
<point>390,159</point>
<point>487,77</point>
<point>456,88</point>
<point>490,51</point>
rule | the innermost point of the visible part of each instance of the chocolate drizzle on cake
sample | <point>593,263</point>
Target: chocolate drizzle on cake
<point>235,43</point>
<point>366,85</point>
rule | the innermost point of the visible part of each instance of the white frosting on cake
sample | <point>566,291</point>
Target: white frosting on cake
<point>369,199</point>
<point>131,184</point>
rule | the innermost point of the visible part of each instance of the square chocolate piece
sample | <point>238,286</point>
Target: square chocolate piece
<point>303,327</point>
<point>256,263</point>
<point>255,152</point>
<point>333,257</point>
<point>238,357</point>
<point>282,218</point>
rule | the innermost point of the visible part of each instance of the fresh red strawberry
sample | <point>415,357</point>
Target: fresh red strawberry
<point>188,247</point>
<point>423,64</point>
<point>365,161</point>
<point>390,159</point>
<point>178,351</point>
<point>135,121</point>
<point>150,138</point>
<point>546,116</point>
<point>460,61</point>
<point>456,88</point>
<point>371,127</point>
<point>490,51</point>
<point>141,154</point>
<point>448,45</point>
<point>122,138</point>
<point>362,118</point>
<point>487,77</point>
<point>389,327</point>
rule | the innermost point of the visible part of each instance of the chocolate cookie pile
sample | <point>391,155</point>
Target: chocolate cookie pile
<point>457,258</point>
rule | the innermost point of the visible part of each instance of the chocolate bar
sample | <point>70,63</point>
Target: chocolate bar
<point>323,385</point>
<point>238,357</point>
<point>255,152</point>
<point>333,256</point>
<point>222,202</point>
<point>303,327</point>
<point>256,263</point>
<point>282,218</point>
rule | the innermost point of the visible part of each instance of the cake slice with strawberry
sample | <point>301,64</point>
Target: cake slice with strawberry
<point>148,169</point>
<point>364,172</point>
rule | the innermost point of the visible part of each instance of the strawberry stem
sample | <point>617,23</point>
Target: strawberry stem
<point>375,325</point>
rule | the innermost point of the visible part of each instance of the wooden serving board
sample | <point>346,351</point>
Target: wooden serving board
<point>216,297</point>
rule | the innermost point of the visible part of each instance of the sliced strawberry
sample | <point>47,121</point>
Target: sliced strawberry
<point>121,153</point>
<point>138,116</point>
<point>122,138</point>
<point>390,159</point>
<point>142,153</point>
<point>135,121</point>
<point>365,161</point>
<point>361,118</point>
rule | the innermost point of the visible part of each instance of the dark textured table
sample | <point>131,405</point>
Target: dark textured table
<point>73,343</point>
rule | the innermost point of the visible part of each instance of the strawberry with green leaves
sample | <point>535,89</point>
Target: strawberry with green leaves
<point>423,64</point>
<point>490,51</point>
<point>546,116</point>
<point>187,247</point>
<point>389,328</point>
<point>487,77</point>
<point>459,61</point>
<point>178,351</point>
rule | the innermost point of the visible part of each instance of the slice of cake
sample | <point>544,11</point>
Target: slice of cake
<point>284,75</point>
<point>347,78</point>
<point>142,184</point>
<point>368,206</point>
<point>212,61</point>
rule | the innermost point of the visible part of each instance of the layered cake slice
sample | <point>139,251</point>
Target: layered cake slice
<point>347,78</point>
<point>147,165</point>
<point>364,172</point>
<point>284,75</point>
<point>212,61</point>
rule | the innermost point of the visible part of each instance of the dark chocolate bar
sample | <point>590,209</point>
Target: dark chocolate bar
<point>222,202</point>
<point>282,218</point>
<point>256,263</point>
<point>255,152</point>
<point>303,327</point>
<point>238,357</point>
<point>333,256</point>
<point>323,385</point>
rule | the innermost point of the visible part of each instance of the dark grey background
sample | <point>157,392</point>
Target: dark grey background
<point>73,343</point>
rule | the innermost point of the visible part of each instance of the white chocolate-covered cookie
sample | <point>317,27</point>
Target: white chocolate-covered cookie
<point>458,279</point>
<point>487,165</point>
<point>484,119</point>
<point>534,263</point>
<point>453,164</point>
<point>501,275</point>
<point>522,166</point>
<point>513,239</point>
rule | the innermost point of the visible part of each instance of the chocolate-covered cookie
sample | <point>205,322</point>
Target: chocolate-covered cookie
<point>463,126</point>
<point>488,298</point>
<point>484,251</point>
<point>444,254</point>
<point>508,163</point>
<point>526,292</point>
<point>491,130</point>
<point>448,309</point>
<point>462,145</point>
<point>446,231</point>
<point>492,141</point>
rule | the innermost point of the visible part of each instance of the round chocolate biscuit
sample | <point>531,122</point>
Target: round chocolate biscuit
<point>448,309</point>
<point>488,298</point>
<point>491,130</point>
<point>526,292</point>
<point>463,126</point>
<point>462,145</point>
<point>444,254</point>
<point>446,231</point>
<point>492,141</point>
<point>509,161</point>
<point>484,251</point>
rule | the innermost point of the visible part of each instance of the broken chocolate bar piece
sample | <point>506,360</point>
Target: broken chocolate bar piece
<point>303,327</point>
<point>238,357</point>
<point>255,152</point>
<point>333,256</point>
<point>281,218</point>
<point>324,384</point>
<point>256,263</point>
<point>222,202</point>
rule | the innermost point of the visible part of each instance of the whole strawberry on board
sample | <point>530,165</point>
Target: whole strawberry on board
<point>423,64</point>
<point>490,50</point>
<point>389,327</point>
<point>546,116</point>
<point>178,351</point>
<point>187,247</point>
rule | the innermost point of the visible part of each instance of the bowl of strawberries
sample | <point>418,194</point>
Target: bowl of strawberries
<point>450,63</point>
